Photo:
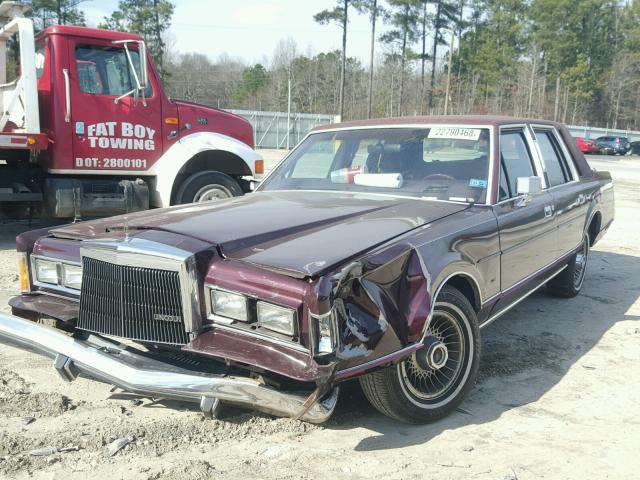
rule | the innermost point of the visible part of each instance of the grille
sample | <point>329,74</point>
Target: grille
<point>131,302</point>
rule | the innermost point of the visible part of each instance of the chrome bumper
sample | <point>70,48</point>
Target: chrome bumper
<point>114,364</point>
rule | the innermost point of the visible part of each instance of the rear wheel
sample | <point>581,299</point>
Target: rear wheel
<point>568,283</point>
<point>434,380</point>
<point>207,186</point>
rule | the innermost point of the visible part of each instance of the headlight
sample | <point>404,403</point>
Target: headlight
<point>46,271</point>
<point>278,319</point>
<point>71,276</point>
<point>326,333</point>
<point>230,305</point>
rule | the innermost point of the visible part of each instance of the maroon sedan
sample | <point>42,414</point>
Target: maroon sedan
<point>375,250</point>
<point>587,146</point>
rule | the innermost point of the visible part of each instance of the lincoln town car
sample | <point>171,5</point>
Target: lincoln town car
<point>375,250</point>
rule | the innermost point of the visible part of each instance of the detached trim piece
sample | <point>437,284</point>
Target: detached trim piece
<point>114,364</point>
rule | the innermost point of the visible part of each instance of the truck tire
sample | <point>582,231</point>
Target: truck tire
<point>568,283</point>
<point>207,186</point>
<point>434,380</point>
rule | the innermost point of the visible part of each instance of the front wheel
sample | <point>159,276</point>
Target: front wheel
<point>207,186</point>
<point>568,283</point>
<point>434,380</point>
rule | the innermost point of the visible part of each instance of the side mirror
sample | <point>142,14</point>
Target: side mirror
<point>142,56</point>
<point>528,185</point>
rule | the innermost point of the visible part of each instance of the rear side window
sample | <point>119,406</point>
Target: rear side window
<point>515,160</point>
<point>557,169</point>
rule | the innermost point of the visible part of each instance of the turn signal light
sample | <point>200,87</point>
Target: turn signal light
<point>171,120</point>
<point>31,141</point>
<point>259,167</point>
<point>23,272</point>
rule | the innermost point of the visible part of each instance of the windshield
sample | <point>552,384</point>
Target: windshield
<point>444,163</point>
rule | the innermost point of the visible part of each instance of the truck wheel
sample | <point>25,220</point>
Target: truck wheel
<point>207,186</point>
<point>569,282</point>
<point>435,379</point>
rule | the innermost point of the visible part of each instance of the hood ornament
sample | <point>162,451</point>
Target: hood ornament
<point>125,228</point>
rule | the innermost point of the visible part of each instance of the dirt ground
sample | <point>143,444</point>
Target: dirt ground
<point>558,397</point>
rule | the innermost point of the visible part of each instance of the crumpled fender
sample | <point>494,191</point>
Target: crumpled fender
<point>166,168</point>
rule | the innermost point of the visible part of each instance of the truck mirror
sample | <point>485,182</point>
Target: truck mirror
<point>142,55</point>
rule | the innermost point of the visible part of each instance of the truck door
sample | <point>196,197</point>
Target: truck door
<point>112,133</point>
<point>528,233</point>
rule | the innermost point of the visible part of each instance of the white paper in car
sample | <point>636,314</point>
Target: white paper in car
<point>385,180</point>
<point>456,133</point>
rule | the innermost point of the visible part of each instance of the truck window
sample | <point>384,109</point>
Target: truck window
<point>105,70</point>
<point>556,165</point>
<point>515,159</point>
<point>39,60</point>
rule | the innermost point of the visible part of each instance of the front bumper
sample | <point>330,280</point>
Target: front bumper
<point>130,370</point>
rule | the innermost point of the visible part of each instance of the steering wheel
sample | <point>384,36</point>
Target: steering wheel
<point>443,176</point>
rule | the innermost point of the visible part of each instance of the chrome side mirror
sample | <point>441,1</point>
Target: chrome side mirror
<point>142,56</point>
<point>527,187</point>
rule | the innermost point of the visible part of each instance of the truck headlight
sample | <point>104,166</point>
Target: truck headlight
<point>229,305</point>
<point>278,319</point>
<point>71,276</point>
<point>46,271</point>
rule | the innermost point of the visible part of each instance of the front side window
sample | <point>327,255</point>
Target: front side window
<point>106,70</point>
<point>554,161</point>
<point>515,159</point>
<point>444,163</point>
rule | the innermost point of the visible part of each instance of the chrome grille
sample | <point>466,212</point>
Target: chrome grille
<point>132,302</point>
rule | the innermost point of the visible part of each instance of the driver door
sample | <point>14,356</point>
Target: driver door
<point>111,134</point>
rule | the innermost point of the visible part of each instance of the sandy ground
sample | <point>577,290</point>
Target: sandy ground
<point>558,397</point>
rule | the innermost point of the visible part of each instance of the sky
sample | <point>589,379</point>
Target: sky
<point>251,29</point>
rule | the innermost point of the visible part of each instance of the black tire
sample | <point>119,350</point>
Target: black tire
<point>206,186</point>
<point>402,391</point>
<point>568,283</point>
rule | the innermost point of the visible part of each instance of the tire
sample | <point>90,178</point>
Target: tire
<point>407,391</point>
<point>207,186</point>
<point>568,283</point>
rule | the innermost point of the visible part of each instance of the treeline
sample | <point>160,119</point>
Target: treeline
<point>576,61</point>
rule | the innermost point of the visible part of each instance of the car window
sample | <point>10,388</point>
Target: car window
<point>106,71</point>
<point>554,160</point>
<point>515,159</point>
<point>440,162</point>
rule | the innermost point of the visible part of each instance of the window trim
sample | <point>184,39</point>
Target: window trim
<point>537,165</point>
<point>570,163</point>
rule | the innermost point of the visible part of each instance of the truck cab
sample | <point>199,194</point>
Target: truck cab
<point>96,134</point>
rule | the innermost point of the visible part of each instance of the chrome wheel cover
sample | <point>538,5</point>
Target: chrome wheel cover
<point>431,383</point>
<point>210,193</point>
<point>580,267</point>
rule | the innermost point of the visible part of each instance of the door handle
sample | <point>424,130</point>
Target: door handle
<point>548,211</point>
<point>67,95</point>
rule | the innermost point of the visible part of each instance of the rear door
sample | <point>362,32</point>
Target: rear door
<point>569,198</point>
<point>111,134</point>
<point>527,227</point>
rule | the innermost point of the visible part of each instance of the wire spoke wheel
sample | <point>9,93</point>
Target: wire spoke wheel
<point>581,264</point>
<point>431,372</point>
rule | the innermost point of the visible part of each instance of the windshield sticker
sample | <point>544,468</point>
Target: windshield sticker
<point>455,133</point>
<point>477,183</point>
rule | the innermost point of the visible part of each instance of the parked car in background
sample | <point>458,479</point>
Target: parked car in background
<point>612,145</point>
<point>587,146</point>
<point>376,250</point>
<point>635,148</point>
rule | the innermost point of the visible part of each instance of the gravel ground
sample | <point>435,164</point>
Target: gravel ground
<point>557,398</point>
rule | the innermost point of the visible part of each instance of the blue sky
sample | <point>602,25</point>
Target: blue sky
<point>251,29</point>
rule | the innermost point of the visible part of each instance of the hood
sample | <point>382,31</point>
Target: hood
<point>301,233</point>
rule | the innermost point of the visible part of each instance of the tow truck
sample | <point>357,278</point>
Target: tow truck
<point>86,128</point>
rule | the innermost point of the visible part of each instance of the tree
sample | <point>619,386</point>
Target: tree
<point>338,15</point>
<point>404,17</point>
<point>446,14</point>
<point>253,80</point>
<point>148,18</point>
<point>375,11</point>
<point>45,13</point>
<point>423,56</point>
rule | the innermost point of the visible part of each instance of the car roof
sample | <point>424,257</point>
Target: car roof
<point>479,120</point>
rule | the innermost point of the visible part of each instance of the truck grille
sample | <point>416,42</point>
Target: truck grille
<point>131,302</point>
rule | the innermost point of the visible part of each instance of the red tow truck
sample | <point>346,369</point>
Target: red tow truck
<point>86,129</point>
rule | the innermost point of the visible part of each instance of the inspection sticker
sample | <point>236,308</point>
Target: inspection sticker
<point>477,183</point>
<point>456,133</point>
